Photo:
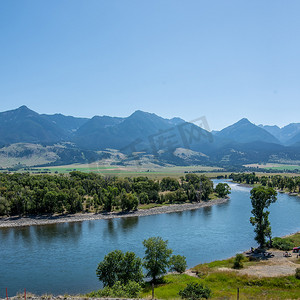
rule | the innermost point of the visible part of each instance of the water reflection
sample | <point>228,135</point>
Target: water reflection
<point>5,233</point>
<point>58,232</point>
<point>179,213</point>
<point>22,235</point>
<point>207,211</point>
<point>110,230</point>
<point>223,205</point>
<point>127,224</point>
<point>115,226</point>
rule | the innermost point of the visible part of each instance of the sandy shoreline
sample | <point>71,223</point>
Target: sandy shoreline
<point>46,220</point>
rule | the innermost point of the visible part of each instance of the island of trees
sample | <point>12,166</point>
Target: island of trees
<point>25,194</point>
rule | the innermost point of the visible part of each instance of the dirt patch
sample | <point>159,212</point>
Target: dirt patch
<point>273,266</point>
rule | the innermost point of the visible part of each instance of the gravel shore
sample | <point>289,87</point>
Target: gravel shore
<point>53,219</point>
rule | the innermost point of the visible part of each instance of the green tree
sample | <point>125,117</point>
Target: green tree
<point>222,189</point>
<point>157,257</point>
<point>4,206</point>
<point>195,291</point>
<point>129,202</point>
<point>117,266</point>
<point>238,261</point>
<point>169,184</point>
<point>178,263</point>
<point>261,198</point>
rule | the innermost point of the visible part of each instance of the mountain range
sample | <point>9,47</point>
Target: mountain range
<point>71,139</point>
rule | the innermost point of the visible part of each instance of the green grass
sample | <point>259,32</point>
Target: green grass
<point>224,286</point>
<point>225,263</point>
<point>171,286</point>
<point>151,205</point>
<point>282,168</point>
<point>127,171</point>
<point>295,239</point>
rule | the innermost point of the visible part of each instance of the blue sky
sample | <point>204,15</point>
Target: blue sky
<point>222,59</point>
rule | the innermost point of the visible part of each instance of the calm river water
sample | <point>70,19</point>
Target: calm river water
<point>62,258</point>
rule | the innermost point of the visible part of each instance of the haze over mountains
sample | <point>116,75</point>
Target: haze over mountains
<point>71,139</point>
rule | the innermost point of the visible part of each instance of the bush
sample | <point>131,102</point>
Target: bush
<point>195,291</point>
<point>297,274</point>
<point>178,263</point>
<point>282,244</point>
<point>130,290</point>
<point>238,261</point>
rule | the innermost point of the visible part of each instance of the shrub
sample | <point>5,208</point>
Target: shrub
<point>297,274</point>
<point>178,263</point>
<point>238,261</point>
<point>130,290</point>
<point>282,244</point>
<point>195,291</point>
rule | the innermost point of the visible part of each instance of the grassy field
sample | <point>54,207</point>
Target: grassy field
<point>275,167</point>
<point>294,238</point>
<point>224,284</point>
<point>128,171</point>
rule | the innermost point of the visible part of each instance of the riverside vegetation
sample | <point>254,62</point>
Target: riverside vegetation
<point>217,279</point>
<point>25,194</point>
<point>122,274</point>
<point>289,184</point>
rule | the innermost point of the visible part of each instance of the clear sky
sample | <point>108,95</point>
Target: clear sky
<point>222,59</point>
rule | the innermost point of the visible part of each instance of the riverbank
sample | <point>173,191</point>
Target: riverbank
<point>277,190</point>
<point>55,219</point>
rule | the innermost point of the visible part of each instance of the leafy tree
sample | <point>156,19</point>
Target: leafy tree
<point>206,187</point>
<point>195,291</point>
<point>169,184</point>
<point>181,195</point>
<point>129,202</point>
<point>118,266</point>
<point>178,263</point>
<point>144,199</point>
<point>222,189</point>
<point>4,206</point>
<point>170,197</point>
<point>131,268</point>
<point>157,256</point>
<point>261,198</point>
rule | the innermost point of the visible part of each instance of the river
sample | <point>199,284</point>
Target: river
<point>62,258</point>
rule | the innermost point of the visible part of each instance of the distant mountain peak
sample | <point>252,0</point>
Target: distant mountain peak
<point>23,107</point>
<point>139,113</point>
<point>243,121</point>
<point>244,131</point>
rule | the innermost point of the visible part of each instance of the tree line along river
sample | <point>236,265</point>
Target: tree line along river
<point>62,258</point>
